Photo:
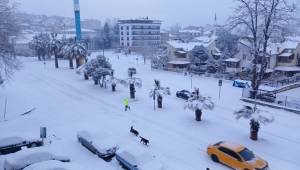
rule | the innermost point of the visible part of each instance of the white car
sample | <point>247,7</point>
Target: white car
<point>27,157</point>
<point>54,164</point>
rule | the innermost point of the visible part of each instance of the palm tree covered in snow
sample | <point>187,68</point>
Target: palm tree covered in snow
<point>55,46</point>
<point>158,92</point>
<point>197,103</point>
<point>256,117</point>
<point>132,82</point>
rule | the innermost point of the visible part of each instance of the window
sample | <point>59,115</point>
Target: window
<point>128,44</point>
<point>122,33</point>
<point>122,44</point>
<point>127,27</point>
<point>128,38</point>
<point>230,153</point>
<point>247,154</point>
<point>122,38</point>
<point>121,27</point>
<point>127,33</point>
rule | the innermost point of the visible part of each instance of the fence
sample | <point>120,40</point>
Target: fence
<point>274,98</point>
<point>284,81</point>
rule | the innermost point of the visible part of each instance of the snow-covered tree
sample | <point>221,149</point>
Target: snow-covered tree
<point>258,21</point>
<point>158,92</point>
<point>199,54</point>
<point>8,30</point>
<point>197,103</point>
<point>77,51</point>
<point>55,46</point>
<point>132,82</point>
<point>160,61</point>
<point>99,75</point>
<point>113,81</point>
<point>256,117</point>
<point>98,62</point>
<point>40,44</point>
<point>227,43</point>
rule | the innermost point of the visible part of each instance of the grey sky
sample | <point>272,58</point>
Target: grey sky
<point>184,12</point>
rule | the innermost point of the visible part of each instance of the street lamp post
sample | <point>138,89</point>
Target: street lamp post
<point>191,75</point>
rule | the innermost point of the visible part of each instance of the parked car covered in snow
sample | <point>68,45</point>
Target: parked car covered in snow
<point>236,156</point>
<point>103,148</point>
<point>183,94</point>
<point>241,83</point>
<point>138,161</point>
<point>14,144</point>
<point>27,157</point>
<point>54,165</point>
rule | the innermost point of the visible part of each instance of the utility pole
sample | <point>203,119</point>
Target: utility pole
<point>77,20</point>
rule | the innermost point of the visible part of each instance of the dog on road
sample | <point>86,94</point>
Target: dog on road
<point>135,132</point>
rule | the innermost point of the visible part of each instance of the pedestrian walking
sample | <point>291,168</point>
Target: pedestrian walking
<point>126,104</point>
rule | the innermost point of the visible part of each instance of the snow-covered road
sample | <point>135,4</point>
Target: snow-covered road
<point>65,104</point>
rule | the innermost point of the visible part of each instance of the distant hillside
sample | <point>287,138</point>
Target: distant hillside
<point>42,23</point>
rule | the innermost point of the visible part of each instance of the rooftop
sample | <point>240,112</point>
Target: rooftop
<point>138,21</point>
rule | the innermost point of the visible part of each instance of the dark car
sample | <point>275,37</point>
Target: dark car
<point>183,94</point>
<point>14,144</point>
<point>102,150</point>
<point>267,97</point>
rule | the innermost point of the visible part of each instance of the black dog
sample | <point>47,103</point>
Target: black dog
<point>135,132</point>
<point>144,141</point>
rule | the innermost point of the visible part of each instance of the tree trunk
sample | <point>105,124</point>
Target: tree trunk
<point>77,63</point>
<point>56,60</point>
<point>198,114</point>
<point>71,63</point>
<point>86,77</point>
<point>159,101</point>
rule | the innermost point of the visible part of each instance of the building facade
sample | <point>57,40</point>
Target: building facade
<point>138,34</point>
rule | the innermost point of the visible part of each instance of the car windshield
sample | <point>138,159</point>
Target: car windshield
<point>246,154</point>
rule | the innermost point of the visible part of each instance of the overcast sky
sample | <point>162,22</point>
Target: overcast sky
<point>184,12</point>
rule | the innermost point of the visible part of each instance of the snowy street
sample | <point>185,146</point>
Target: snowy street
<point>66,103</point>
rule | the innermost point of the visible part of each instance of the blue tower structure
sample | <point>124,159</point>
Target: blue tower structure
<point>77,20</point>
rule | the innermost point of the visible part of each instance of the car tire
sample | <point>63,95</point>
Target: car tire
<point>214,158</point>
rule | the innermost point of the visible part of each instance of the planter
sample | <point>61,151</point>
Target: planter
<point>86,77</point>
<point>198,114</point>
<point>113,87</point>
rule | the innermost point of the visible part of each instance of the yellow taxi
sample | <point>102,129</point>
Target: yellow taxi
<point>236,156</point>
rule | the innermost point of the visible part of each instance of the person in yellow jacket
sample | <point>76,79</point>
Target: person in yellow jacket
<point>126,104</point>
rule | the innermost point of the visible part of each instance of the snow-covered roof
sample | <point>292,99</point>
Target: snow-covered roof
<point>206,39</point>
<point>82,30</point>
<point>10,141</point>
<point>181,52</point>
<point>233,60</point>
<point>287,68</point>
<point>179,62</point>
<point>190,31</point>
<point>285,54</point>
<point>185,46</point>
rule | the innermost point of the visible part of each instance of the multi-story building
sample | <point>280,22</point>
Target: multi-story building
<point>138,34</point>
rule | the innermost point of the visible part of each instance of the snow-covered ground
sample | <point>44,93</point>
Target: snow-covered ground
<point>65,103</point>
